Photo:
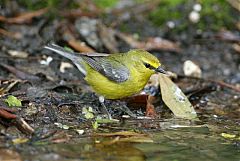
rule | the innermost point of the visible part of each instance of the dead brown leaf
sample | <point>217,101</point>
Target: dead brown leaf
<point>235,4</point>
<point>107,35</point>
<point>137,101</point>
<point>60,137</point>
<point>9,155</point>
<point>157,43</point>
<point>236,47</point>
<point>80,46</point>
<point>228,36</point>
<point>76,13</point>
<point>150,109</point>
<point>120,133</point>
<point>7,115</point>
<point>77,45</point>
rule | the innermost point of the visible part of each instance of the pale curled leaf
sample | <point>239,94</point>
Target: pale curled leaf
<point>228,136</point>
<point>142,139</point>
<point>20,140</point>
<point>18,54</point>
<point>105,121</point>
<point>79,131</point>
<point>121,133</point>
<point>62,126</point>
<point>175,99</point>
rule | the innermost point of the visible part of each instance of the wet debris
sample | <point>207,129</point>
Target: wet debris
<point>124,136</point>
<point>18,54</point>
<point>64,66</point>
<point>7,85</point>
<point>9,155</point>
<point>46,61</point>
<point>225,35</point>
<point>88,29</point>
<point>15,35</point>
<point>21,74</point>
<point>7,113</point>
<point>152,43</point>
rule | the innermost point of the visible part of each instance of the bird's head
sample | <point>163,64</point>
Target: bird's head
<point>146,62</point>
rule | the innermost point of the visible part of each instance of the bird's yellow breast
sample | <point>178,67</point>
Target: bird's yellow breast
<point>113,90</point>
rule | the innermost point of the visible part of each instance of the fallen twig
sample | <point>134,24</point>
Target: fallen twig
<point>77,45</point>
<point>152,43</point>
<point>15,35</point>
<point>76,13</point>
<point>235,4</point>
<point>23,17</point>
<point>220,83</point>
<point>20,74</point>
<point>23,126</point>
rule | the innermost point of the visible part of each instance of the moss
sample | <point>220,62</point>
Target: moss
<point>38,4</point>
<point>167,10</point>
<point>123,27</point>
<point>215,14</point>
<point>105,3</point>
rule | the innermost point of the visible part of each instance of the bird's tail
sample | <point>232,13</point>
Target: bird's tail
<point>77,60</point>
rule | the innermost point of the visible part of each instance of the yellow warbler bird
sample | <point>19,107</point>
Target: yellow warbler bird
<point>113,76</point>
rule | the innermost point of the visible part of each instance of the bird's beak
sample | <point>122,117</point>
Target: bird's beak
<point>160,70</point>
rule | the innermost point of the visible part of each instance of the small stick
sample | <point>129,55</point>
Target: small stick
<point>220,83</point>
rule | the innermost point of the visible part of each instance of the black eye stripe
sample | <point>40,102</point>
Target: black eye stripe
<point>147,65</point>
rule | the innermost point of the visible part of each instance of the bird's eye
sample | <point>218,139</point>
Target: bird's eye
<point>147,65</point>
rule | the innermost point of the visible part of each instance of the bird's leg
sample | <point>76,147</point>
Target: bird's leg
<point>125,109</point>
<point>101,100</point>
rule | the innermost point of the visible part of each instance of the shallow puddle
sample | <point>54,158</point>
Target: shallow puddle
<point>174,140</point>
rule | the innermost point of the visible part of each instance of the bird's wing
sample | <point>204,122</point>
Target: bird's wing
<point>110,68</point>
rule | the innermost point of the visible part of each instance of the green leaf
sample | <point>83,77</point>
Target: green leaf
<point>88,113</point>
<point>95,125</point>
<point>20,140</point>
<point>105,3</point>
<point>105,121</point>
<point>13,101</point>
<point>60,125</point>
<point>228,136</point>
<point>175,99</point>
<point>68,49</point>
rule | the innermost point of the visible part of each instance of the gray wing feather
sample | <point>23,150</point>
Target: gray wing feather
<point>67,54</point>
<point>113,71</point>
